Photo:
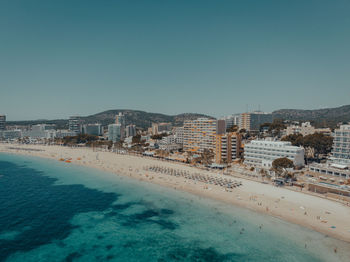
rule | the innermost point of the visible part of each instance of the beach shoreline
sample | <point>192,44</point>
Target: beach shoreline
<point>328,217</point>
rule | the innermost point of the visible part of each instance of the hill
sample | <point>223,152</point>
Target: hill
<point>319,117</point>
<point>141,119</point>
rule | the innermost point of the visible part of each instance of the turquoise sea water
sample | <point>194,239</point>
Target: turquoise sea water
<point>54,211</point>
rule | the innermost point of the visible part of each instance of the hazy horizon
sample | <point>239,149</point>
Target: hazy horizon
<point>125,109</point>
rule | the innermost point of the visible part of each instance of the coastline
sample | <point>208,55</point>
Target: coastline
<point>292,206</point>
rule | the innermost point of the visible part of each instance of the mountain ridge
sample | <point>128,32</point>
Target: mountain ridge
<point>320,117</point>
<point>140,118</point>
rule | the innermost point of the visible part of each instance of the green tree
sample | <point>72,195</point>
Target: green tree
<point>159,136</point>
<point>264,126</point>
<point>277,124</point>
<point>79,139</point>
<point>280,164</point>
<point>321,143</point>
<point>233,128</point>
<point>242,131</point>
<point>295,139</point>
<point>274,128</point>
<point>136,139</point>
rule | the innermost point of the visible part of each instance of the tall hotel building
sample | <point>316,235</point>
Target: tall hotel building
<point>120,120</point>
<point>2,122</point>
<point>114,132</point>
<point>201,134</point>
<point>227,147</point>
<point>252,121</point>
<point>130,130</point>
<point>75,124</point>
<point>341,146</point>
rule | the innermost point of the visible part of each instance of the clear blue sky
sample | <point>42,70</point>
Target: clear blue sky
<point>60,58</point>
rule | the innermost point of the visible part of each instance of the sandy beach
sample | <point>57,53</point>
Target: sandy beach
<point>322,215</point>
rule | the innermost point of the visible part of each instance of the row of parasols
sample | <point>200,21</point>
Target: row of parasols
<point>220,181</point>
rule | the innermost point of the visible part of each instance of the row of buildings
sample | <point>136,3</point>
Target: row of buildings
<point>210,134</point>
<point>119,131</point>
<point>195,137</point>
<point>203,135</point>
<point>76,126</point>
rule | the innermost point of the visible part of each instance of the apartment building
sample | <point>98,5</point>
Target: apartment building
<point>93,129</point>
<point>341,145</point>
<point>261,153</point>
<point>130,130</point>
<point>201,134</point>
<point>11,134</point>
<point>114,132</point>
<point>63,133</point>
<point>2,122</point>
<point>120,120</point>
<point>232,120</point>
<point>179,134</point>
<point>75,124</point>
<point>158,128</point>
<point>252,121</point>
<point>41,131</point>
<point>170,143</point>
<point>227,147</point>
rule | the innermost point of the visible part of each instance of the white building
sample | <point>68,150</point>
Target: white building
<point>75,124</point>
<point>64,132</point>
<point>306,129</point>
<point>11,134</point>
<point>2,122</point>
<point>130,130</point>
<point>170,143</point>
<point>114,132</point>
<point>336,170</point>
<point>41,131</point>
<point>169,139</point>
<point>120,120</point>
<point>262,153</point>
<point>50,134</point>
<point>179,135</point>
<point>341,145</point>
